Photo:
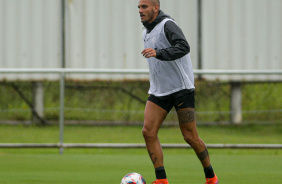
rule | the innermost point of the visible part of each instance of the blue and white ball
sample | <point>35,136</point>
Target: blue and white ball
<point>133,178</point>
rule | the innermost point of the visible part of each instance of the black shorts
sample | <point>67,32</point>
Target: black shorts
<point>179,100</point>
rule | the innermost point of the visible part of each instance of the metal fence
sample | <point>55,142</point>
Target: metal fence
<point>62,103</point>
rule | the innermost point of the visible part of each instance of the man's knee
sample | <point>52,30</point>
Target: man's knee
<point>192,140</point>
<point>149,134</point>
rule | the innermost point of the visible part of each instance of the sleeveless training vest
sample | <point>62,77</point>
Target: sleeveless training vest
<point>167,77</point>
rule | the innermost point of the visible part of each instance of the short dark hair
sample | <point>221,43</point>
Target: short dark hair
<point>156,2</point>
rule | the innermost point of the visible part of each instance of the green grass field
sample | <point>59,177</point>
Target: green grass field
<point>245,134</point>
<point>107,166</point>
<point>104,166</point>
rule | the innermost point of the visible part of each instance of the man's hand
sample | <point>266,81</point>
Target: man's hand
<point>149,52</point>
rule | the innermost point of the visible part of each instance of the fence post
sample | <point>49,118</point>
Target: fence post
<point>61,123</point>
<point>199,32</point>
<point>62,76</point>
<point>38,99</point>
<point>236,103</point>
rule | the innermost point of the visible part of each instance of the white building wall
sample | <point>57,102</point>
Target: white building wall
<point>30,35</point>
<point>242,34</point>
<point>237,34</point>
<point>108,33</point>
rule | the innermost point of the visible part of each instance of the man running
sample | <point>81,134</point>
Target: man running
<point>171,85</point>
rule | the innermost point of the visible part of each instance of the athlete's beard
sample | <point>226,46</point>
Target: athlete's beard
<point>151,15</point>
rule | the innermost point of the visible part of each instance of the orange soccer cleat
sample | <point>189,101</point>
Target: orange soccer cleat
<point>160,181</point>
<point>213,180</point>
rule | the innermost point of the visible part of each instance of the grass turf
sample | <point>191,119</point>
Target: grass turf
<point>248,134</point>
<point>107,166</point>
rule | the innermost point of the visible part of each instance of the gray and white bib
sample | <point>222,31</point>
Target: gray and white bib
<point>167,77</point>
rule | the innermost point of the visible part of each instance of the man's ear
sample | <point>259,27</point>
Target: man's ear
<point>156,8</point>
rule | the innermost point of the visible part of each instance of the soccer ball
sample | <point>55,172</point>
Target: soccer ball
<point>133,178</point>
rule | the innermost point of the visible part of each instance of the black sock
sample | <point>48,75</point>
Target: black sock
<point>209,172</point>
<point>160,173</point>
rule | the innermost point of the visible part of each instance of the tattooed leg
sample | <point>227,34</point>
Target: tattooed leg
<point>153,157</point>
<point>188,128</point>
<point>204,158</point>
<point>155,151</point>
<point>186,116</point>
<point>203,155</point>
<point>154,116</point>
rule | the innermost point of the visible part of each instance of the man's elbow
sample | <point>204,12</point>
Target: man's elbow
<point>187,48</point>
